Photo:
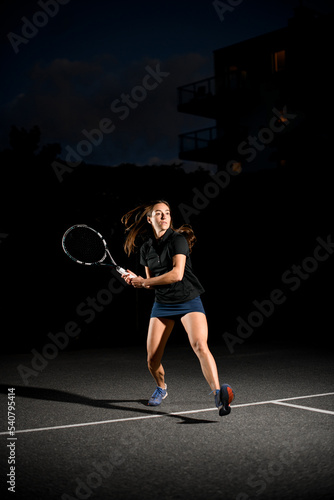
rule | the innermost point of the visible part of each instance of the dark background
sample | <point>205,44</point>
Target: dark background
<point>258,227</point>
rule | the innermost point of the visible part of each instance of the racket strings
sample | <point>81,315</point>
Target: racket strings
<point>85,245</point>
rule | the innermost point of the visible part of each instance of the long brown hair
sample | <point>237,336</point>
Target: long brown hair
<point>136,226</point>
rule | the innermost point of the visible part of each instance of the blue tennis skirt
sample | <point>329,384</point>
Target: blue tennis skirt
<point>175,311</point>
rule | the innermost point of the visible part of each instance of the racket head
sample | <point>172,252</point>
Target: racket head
<point>84,245</point>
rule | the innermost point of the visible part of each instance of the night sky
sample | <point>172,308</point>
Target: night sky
<point>84,63</point>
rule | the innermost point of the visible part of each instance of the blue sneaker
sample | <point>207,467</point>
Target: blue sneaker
<point>223,398</point>
<point>158,395</point>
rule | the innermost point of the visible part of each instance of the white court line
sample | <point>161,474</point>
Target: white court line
<point>128,419</point>
<point>317,410</point>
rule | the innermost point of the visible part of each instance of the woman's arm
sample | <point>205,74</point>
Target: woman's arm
<point>173,276</point>
<point>148,275</point>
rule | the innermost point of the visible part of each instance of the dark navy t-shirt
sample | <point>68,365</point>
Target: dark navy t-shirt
<point>157,255</point>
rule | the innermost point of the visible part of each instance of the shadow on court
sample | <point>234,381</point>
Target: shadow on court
<point>40,393</point>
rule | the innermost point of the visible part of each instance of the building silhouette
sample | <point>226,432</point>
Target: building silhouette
<point>270,96</point>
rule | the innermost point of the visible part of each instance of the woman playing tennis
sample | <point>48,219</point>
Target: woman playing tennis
<point>165,255</point>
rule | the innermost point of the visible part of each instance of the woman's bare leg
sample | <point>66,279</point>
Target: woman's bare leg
<point>196,326</point>
<point>159,331</point>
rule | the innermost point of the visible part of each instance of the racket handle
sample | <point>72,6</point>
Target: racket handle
<point>123,271</point>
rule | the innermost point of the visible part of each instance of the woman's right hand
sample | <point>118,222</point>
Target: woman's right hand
<point>128,276</point>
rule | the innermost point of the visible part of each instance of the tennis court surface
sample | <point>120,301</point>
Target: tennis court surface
<point>84,430</point>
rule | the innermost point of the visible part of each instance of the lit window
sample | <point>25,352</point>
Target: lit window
<point>278,61</point>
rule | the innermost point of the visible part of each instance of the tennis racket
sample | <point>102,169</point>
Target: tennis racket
<point>86,246</point>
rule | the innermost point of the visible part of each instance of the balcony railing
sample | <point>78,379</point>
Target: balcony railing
<point>202,89</point>
<point>210,145</point>
<point>198,139</point>
<point>213,96</point>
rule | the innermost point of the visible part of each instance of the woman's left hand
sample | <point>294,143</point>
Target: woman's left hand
<point>137,282</point>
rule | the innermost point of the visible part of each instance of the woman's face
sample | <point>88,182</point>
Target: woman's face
<point>160,219</point>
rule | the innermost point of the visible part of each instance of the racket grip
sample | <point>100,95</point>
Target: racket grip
<point>123,271</point>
